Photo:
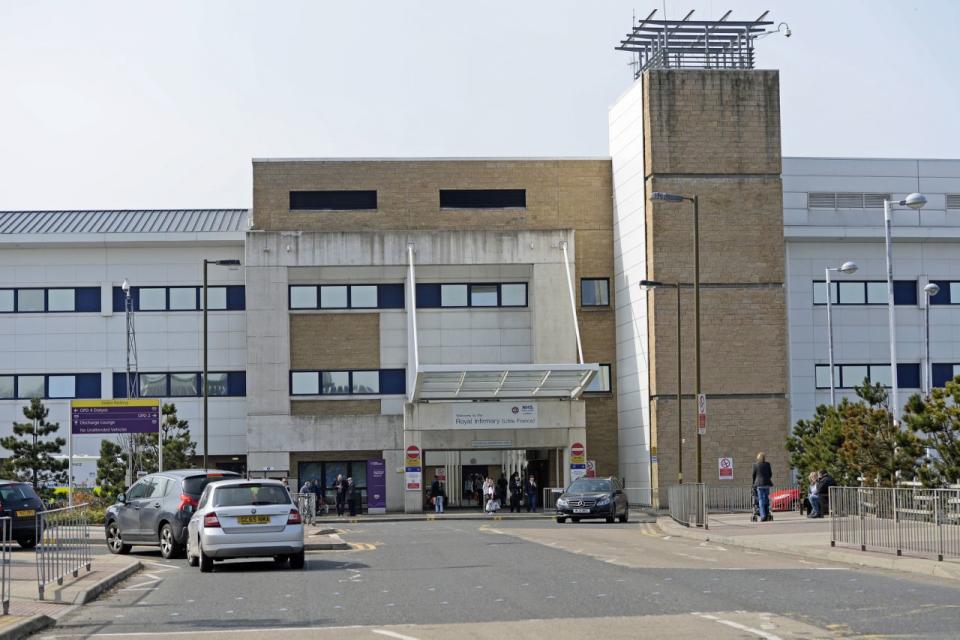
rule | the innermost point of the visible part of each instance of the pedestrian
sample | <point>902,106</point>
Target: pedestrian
<point>490,494</point>
<point>502,489</point>
<point>762,481</point>
<point>515,490</point>
<point>307,501</point>
<point>351,496</point>
<point>321,503</point>
<point>812,497</point>
<point>824,482</point>
<point>286,484</point>
<point>341,487</point>
<point>530,489</point>
<point>436,495</point>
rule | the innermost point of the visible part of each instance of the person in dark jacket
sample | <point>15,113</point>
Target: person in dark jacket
<point>824,482</point>
<point>515,490</point>
<point>530,489</point>
<point>436,495</point>
<point>341,487</point>
<point>352,496</point>
<point>502,490</point>
<point>762,481</point>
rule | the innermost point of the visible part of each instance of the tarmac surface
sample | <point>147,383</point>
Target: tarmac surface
<point>521,579</point>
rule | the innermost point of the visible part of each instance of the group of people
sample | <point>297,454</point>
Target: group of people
<point>816,502</point>
<point>347,495</point>
<point>491,494</point>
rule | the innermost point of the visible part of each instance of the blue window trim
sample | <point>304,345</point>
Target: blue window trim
<point>85,385</point>
<point>908,374</point>
<point>235,294</point>
<point>236,384</point>
<point>389,296</point>
<point>904,293</point>
<point>429,295</point>
<point>86,297</point>
<point>392,382</point>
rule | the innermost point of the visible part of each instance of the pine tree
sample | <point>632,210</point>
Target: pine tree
<point>33,452</point>
<point>111,470</point>
<point>936,418</point>
<point>178,449</point>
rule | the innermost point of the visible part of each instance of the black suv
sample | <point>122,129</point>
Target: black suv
<point>21,504</point>
<point>156,509</point>
<point>593,498</point>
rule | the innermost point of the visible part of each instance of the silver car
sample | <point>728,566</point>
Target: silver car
<point>245,519</point>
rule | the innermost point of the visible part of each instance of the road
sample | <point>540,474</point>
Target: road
<point>521,579</point>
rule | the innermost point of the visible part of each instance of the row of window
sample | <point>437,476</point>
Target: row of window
<point>53,300</point>
<point>348,383</point>
<point>340,296</point>
<point>435,296</point>
<point>833,200</point>
<point>229,298</point>
<point>847,376</point>
<point>73,385</point>
<point>188,384</point>
<point>859,292</point>
<point>366,199</point>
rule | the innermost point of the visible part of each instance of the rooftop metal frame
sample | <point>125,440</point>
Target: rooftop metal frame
<point>693,44</point>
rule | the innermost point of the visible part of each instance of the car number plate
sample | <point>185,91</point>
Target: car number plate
<point>581,510</point>
<point>253,519</point>
<point>26,513</point>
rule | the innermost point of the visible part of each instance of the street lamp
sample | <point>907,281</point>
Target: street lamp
<point>673,197</point>
<point>848,268</point>
<point>653,284</point>
<point>931,289</point>
<point>206,383</point>
<point>914,201</point>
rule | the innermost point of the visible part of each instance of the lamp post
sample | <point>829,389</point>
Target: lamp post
<point>914,201</point>
<point>931,290</point>
<point>848,268</point>
<point>653,284</point>
<point>673,197</point>
<point>206,383</point>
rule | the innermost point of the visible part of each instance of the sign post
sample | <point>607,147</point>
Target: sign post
<point>413,466</point>
<point>701,413</point>
<point>578,461</point>
<point>104,417</point>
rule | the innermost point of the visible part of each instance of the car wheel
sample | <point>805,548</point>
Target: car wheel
<point>206,562</point>
<point>576,520</point>
<point>192,560</point>
<point>280,559</point>
<point>625,516</point>
<point>28,542</point>
<point>297,560</point>
<point>115,540</point>
<point>612,517</point>
<point>561,519</point>
<point>169,548</point>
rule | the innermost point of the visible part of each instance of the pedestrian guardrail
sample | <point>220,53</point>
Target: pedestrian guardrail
<point>642,496</point>
<point>6,577</point>
<point>63,544</point>
<point>307,505</point>
<point>688,504</point>
<point>550,497</point>
<point>916,520</point>
<point>740,499</point>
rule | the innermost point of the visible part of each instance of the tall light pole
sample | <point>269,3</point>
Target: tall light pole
<point>206,382</point>
<point>931,290</point>
<point>673,197</point>
<point>914,201</point>
<point>653,284</point>
<point>848,268</point>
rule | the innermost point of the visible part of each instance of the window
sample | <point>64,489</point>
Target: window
<point>600,382</point>
<point>184,384</point>
<point>30,300</point>
<point>6,386</point>
<point>594,292</point>
<point>483,198</point>
<point>152,299</point>
<point>513,295</point>
<point>347,200</point>
<point>61,387</point>
<point>453,295</point>
<point>847,376</point>
<point>333,297</point>
<point>949,292</point>
<point>223,298</point>
<point>138,490</point>
<point>859,292</point>
<point>342,383</point>
<point>153,385</point>
<point>217,385</point>
<point>183,298</point>
<point>6,300</point>
<point>832,200</point>
<point>30,387</point>
<point>303,297</point>
<point>942,373</point>
<point>363,297</point>
<point>216,298</point>
<point>61,300</point>
<point>483,295</point>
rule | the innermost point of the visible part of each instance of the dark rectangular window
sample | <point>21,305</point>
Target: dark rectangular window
<point>393,381</point>
<point>594,292</point>
<point>864,292</point>
<point>333,200</point>
<point>181,384</point>
<point>847,376</point>
<point>942,373</point>
<point>479,295</point>
<point>483,198</point>
<point>390,296</point>
<point>949,292</point>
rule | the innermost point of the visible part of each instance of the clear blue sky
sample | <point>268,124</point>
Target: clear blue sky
<point>133,104</point>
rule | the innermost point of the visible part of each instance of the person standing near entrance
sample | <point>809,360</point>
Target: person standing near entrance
<point>352,495</point>
<point>436,495</point>
<point>341,487</point>
<point>531,490</point>
<point>762,481</point>
<point>515,490</point>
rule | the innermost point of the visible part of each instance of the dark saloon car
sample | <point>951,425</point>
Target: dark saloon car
<point>156,510</point>
<point>21,504</point>
<point>593,498</point>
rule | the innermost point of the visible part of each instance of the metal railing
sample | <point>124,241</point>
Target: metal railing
<point>688,504</point>
<point>6,572</point>
<point>917,520</point>
<point>307,505</point>
<point>642,496</point>
<point>63,544</point>
<point>740,499</point>
<point>550,497</point>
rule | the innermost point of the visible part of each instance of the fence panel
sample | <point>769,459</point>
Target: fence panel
<point>307,505</point>
<point>6,577</point>
<point>912,519</point>
<point>63,544</point>
<point>550,497</point>
<point>739,499</point>
<point>688,504</point>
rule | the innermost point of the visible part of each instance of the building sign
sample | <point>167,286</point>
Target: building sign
<point>413,468</point>
<point>494,415</point>
<point>376,485</point>
<point>701,413</point>
<point>138,415</point>
<point>726,468</point>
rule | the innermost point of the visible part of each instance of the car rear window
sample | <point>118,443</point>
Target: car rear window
<point>17,493</point>
<point>194,485</point>
<point>589,486</point>
<point>250,494</point>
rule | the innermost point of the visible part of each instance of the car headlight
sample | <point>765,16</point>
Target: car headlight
<point>561,503</point>
<point>604,500</point>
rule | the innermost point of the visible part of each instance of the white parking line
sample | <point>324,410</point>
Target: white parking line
<point>741,627</point>
<point>392,634</point>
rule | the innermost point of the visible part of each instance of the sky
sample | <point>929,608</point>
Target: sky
<point>119,104</point>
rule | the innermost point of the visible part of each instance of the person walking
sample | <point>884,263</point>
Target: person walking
<point>352,495</point>
<point>341,488</point>
<point>436,495</point>
<point>515,490</point>
<point>762,481</point>
<point>530,489</point>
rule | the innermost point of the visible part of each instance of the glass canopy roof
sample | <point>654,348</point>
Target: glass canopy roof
<point>514,381</point>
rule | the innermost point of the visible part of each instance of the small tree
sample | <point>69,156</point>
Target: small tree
<point>936,418</point>
<point>32,452</point>
<point>111,470</point>
<point>814,444</point>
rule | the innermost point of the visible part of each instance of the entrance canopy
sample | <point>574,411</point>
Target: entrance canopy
<point>503,381</point>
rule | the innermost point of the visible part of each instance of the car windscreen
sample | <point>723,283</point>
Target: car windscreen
<point>17,493</point>
<point>590,486</point>
<point>252,494</point>
<point>194,485</point>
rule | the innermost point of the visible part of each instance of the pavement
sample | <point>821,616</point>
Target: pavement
<point>423,580</point>
<point>790,532</point>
